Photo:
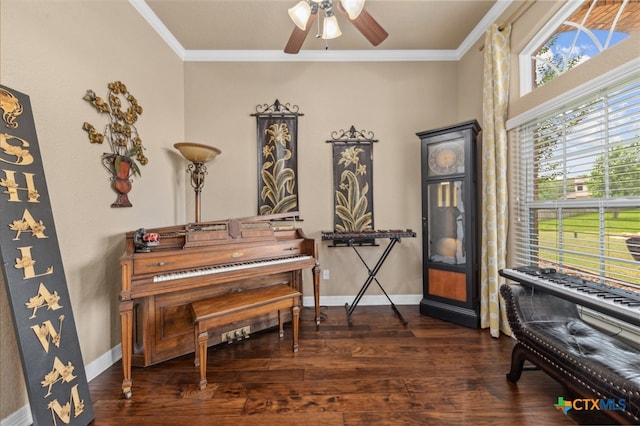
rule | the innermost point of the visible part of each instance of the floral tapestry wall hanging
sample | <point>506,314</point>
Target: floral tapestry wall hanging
<point>353,181</point>
<point>277,127</point>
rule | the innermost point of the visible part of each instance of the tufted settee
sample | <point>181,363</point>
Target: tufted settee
<point>587,361</point>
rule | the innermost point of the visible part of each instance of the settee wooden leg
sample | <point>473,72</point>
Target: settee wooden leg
<point>517,363</point>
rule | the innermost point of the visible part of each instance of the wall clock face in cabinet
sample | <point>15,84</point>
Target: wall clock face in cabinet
<point>446,158</point>
<point>450,223</point>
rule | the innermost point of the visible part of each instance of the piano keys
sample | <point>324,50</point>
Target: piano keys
<point>613,301</point>
<point>227,268</point>
<point>197,261</point>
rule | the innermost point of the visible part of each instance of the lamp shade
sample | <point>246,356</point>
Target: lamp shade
<point>330,28</point>
<point>197,153</point>
<point>352,7</point>
<point>300,14</point>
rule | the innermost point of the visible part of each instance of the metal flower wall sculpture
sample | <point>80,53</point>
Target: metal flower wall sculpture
<point>122,135</point>
<point>120,132</point>
<point>351,198</point>
<point>279,180</point>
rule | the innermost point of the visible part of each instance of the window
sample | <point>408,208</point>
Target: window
<point>578,32</point>
<point>578,186</point>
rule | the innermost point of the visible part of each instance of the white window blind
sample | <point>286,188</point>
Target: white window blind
<point>578,187</point>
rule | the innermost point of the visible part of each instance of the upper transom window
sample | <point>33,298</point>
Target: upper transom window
<point>578,32</point>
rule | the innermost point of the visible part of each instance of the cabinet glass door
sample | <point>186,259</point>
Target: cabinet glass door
<point>446,222</point>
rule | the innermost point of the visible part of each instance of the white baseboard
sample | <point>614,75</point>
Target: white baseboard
<point>23,417</point>
<point>95,368</point>
<point>374,300</point>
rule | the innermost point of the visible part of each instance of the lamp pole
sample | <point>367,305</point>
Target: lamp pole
<point>198,172</point>
<point>198,155</point>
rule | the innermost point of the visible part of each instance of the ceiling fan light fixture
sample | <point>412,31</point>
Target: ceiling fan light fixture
<point>352,7</point>
<point>330,28</point>
<point>300,14</point>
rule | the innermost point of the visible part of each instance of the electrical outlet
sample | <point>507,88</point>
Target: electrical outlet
<point>325,274</point>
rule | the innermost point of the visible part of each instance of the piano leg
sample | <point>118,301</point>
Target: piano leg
<point>203,339</point>
<point>126,318</point>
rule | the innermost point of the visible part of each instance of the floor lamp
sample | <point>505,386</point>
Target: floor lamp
<point>198,154</point>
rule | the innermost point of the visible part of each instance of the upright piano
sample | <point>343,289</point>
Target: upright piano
<point>164,269</point>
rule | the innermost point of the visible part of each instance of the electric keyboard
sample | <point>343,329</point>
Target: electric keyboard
<point>613,301</point>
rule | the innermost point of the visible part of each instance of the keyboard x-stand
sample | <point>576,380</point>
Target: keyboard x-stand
<point>355,239</point>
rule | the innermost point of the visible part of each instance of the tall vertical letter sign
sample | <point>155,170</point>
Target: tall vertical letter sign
<point>34,276</point>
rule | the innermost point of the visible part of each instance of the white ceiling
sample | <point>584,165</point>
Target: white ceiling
<point>258,30</point>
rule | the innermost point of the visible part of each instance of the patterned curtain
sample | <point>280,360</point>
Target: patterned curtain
<point>494,178</point>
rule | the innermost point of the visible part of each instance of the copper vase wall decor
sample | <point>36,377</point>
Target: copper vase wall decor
<point>122,135</point>
<point>120,169</point>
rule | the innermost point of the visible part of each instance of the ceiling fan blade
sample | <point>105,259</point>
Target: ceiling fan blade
<point>298,36</point>
<point>368,26</point>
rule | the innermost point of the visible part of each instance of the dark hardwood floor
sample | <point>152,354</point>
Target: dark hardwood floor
<point>375,372</point>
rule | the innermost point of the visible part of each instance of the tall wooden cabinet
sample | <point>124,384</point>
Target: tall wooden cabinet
<point>450,223</point>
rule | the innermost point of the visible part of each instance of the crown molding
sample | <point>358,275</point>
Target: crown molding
<point>319,55</point>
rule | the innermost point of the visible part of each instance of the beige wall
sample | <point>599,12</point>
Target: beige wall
<point>54,51</point>
<point>393,100</point>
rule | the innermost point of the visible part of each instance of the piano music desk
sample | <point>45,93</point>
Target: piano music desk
<point>240,306</point>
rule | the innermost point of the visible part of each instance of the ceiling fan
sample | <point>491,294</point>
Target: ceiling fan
<point>305,13</point>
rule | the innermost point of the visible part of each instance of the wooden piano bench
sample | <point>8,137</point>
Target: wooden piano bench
<point>240,306</point>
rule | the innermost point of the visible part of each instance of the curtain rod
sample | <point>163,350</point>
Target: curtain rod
<point>514,16</point>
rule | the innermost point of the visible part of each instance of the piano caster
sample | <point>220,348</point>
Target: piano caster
<point>126,388</point>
